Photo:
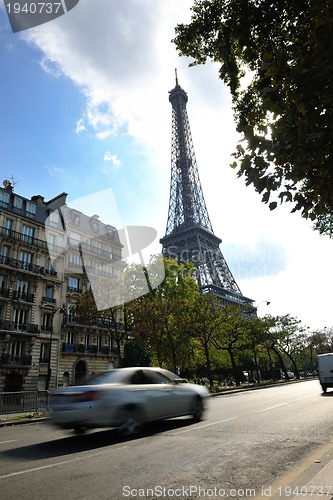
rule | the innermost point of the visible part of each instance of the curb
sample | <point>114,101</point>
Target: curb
<point>6,422</point>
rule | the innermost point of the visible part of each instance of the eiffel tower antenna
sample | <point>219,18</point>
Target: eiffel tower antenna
<point>189,234</point>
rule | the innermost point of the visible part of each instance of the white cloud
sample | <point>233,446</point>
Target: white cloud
<point>103,135</point>
<point>113,158</point>
<point>80,126</point>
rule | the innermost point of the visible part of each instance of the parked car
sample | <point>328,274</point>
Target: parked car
<point>126,398</point>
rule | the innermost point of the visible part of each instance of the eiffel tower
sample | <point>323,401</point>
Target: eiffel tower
<point>189,234</point>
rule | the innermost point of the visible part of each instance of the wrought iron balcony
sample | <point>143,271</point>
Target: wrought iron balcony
<point>51,300</point>
<point>73,289</point>
<point>92,322</point>
<point>21,264</point>
<point>26,297</point>
<point>90,349</point>
<point>87,247</point>
<point>23,238</point>
<point>21,327</point>
<point>11,359</point>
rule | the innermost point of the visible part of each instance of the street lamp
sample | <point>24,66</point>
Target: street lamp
<point>255,309</point>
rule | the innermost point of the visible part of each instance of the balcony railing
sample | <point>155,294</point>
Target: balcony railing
<point>21,264</point>
<point>26,266</point>
<point>26,297</point>
<point>11,359</point>
<point>51,300</point>
<point>74,289</point>
<point>92,322</point>
<point>21,327</point>
<point>23,238</point>
<point>90,349</point>
<point>93,249</point>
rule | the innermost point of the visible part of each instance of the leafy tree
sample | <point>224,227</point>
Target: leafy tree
<point>208,320</point>
<point>231,336</point>
<point>164,318</point>
<point>137,353</point>
<point>284,106</point>
<point>288,339</point>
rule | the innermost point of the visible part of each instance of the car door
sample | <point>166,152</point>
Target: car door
<point>168,396</point>
<point>154,394</point>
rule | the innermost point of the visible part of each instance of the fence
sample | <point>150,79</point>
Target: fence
<point>18,402</point>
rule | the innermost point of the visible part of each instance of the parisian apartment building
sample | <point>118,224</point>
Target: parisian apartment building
<point>43,344</point>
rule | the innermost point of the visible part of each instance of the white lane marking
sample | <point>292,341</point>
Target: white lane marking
<point>287,403</point>
<point>306,397</point>
<point>10,441</point>
<point>272,407</point>
<point>43,467</point>
<point>204,426</point>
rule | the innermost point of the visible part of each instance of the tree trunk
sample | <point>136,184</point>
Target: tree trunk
<point>233,363</point>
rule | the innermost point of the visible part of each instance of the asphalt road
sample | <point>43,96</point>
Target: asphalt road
<point>245,442</point>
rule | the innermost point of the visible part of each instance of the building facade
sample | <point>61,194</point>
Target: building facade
<point>42,275</point>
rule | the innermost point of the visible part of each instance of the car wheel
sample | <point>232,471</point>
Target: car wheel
<point>197,409</point>
<point>131,421</point>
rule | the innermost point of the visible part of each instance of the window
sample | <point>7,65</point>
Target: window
<point>75,260</point>
<point>4,199</point>
<point>99,340</point>
<point>74,239</point>
<point>95,226</point>
<point>30,210</point>
<point>21,289</point>
<point>110,232</point>
<point>47,322</point>
<point>5,249</point>
<point>44,352</point>
<point>87,339</point>
<point>73,284</point>
<point>51,241</point>
<point>49,268</point>
<point>18,202</point>
<point>70,312</point>
<point>3,291</point>
<point>16,349</point>
<point>28,234</point>
<point>19,318</point>
<point>70,338</point>
<point>8,224</point>
<point>49,292</point>
<point>25,259</point>
<point>76,219</point>
<point>54,219</point>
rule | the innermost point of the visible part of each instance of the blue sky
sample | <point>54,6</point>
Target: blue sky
<point>85,108</point>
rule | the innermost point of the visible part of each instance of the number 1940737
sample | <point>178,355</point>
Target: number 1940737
<point>33,7</point>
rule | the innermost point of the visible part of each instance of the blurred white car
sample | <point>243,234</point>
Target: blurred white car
<point>126,398</point>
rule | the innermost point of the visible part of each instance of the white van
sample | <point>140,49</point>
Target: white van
<point>325,370</point>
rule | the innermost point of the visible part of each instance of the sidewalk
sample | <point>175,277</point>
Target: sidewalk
<point>310,479</point>
<point>21,418</point>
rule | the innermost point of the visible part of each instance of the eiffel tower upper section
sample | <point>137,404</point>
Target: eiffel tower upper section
<point>189,234</point>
